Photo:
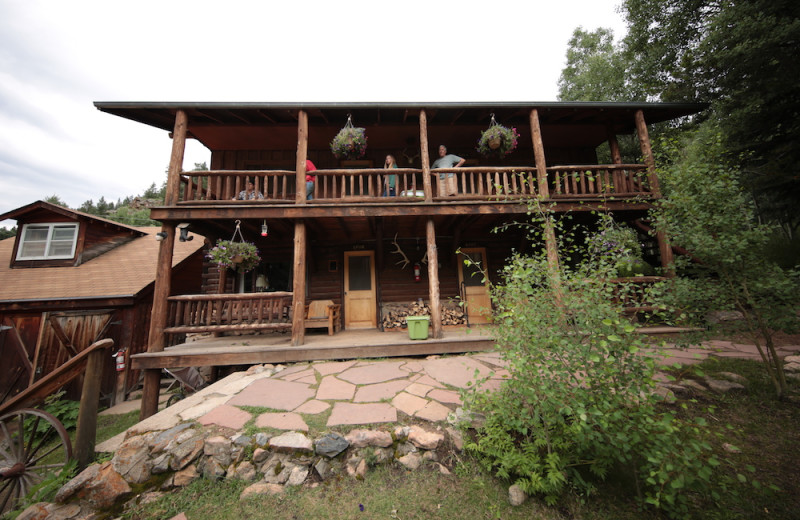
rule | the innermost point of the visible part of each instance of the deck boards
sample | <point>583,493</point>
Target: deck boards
<point>276,348</point>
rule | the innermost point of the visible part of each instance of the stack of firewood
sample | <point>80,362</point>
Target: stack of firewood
<point>394,315</point>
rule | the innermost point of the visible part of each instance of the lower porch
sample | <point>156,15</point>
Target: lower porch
<point>275,347</point>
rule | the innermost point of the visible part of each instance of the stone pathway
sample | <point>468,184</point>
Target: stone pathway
<point>360,392</point>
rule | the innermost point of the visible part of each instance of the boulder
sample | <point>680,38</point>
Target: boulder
<point>424,439</point>
<point>330,445</point>
<point>516,497</point>
<point>363,438</point>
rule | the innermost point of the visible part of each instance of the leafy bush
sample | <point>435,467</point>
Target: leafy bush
<point>707,212</point>
<point>580,401</point>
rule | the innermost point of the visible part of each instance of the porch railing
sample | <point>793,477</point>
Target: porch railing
<point>192,313</point>
<point>473,183</point>
<point>599,180</point>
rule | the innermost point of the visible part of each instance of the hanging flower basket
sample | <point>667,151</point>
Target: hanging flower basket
<point>350,142</point>
<point>241,256</point>
<point>498,140</point>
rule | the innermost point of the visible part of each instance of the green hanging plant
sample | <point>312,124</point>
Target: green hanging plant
<point>229,254</point>
<point>350,142</point>
<point>497,140</point>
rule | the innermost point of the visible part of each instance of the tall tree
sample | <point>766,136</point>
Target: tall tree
<point>55,199</point>
<point>741,57</point>
<point>596,69</point>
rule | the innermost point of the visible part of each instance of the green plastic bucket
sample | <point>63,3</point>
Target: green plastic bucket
<point>418,327</point>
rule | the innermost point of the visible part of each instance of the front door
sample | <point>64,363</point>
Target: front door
<point>359,290</point>
<point>474,290</point>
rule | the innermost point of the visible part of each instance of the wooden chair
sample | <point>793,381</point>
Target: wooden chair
<point>322,314</point>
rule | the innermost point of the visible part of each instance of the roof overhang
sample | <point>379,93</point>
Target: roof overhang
<point>225,126</point>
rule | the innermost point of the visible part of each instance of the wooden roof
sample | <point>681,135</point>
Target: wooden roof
<point>124,271</point>
<point>587,122</point>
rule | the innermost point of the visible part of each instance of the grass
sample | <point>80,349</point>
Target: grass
<point>764,429</point>
<point>387,492</point>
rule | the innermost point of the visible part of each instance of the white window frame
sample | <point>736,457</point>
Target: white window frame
<point>51,227</point>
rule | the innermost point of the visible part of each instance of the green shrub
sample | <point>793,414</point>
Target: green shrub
<point>580,403</point>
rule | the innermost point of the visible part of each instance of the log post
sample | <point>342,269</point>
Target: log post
<point>86,432</point>
<point>424,158</point>
<point>647,154</point>
<point>551,246</point>
<point>664,248</point>
<point>616,158</point>
<point>300,242</point>
<point>299,284</point>
<point>163,283</point>
<point>176,159</point>
<point>433,280</point>
<point>302,155</point>
<point>538,154</point>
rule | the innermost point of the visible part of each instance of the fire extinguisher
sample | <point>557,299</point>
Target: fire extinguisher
<point>119,358</point>
<point>416,272</point>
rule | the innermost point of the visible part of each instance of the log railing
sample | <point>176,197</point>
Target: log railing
<point>474,183</point>
<point>228,312</point>
<point>598,181</point>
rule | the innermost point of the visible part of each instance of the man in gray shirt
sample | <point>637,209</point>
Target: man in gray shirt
<point>448,186</point>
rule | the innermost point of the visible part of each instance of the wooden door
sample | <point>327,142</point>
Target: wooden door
<point>359,290</point>
<point>474,290</point>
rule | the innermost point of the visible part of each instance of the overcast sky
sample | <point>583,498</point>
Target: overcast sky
<point>57,57</point>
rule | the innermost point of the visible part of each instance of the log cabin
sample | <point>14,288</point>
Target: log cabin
<point>369,254</point>
<point>69,279</point>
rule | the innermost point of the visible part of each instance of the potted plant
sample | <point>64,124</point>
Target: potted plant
<point>241,256</point>
<point>349,143</point>
<point>498,141</point>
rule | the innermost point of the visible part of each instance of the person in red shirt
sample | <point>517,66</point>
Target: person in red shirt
<point>310,179</point>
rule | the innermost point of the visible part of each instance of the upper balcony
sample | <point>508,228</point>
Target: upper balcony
<point>556,159</point>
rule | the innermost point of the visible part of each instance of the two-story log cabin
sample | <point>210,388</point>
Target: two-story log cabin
<point>355,247</point>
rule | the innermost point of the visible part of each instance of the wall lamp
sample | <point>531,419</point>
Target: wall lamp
<point>161,235</point>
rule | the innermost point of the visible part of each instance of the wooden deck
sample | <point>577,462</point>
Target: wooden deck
<point>275,347</point>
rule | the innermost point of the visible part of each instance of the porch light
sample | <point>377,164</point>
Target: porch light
<point>264,229</point>
<point>161,235</point>
<point>261,282</point>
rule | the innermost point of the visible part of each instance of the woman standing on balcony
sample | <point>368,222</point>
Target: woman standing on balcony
<point>390,181</point>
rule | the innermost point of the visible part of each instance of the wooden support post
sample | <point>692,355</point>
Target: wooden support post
<point>647,154</point>
<point>424,157</point>
<point>163,283</point>
<point>158,321</point>
<point>176,159</point>
<point>433,280</point>
<point>551,246</point>
<point>86,432</point>
<point>302,155</point>
<point>538,154</point>
<point>300,242</point>
<point>616,158</point>
<point>665,249</point>
<point>299,284</point>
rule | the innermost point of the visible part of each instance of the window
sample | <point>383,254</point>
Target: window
<point>48,241</point>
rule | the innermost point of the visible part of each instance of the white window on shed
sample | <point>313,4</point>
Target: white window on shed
<point>48,241</point>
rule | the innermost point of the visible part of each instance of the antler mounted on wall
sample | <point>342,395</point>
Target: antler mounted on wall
<point>405,261</point>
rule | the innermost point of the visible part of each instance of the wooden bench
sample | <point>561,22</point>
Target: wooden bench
<point>322,314</point>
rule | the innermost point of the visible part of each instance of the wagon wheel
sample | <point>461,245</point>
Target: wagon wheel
<point>33,445</point>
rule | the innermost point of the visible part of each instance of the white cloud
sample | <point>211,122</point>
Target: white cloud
<point>57,58</point>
